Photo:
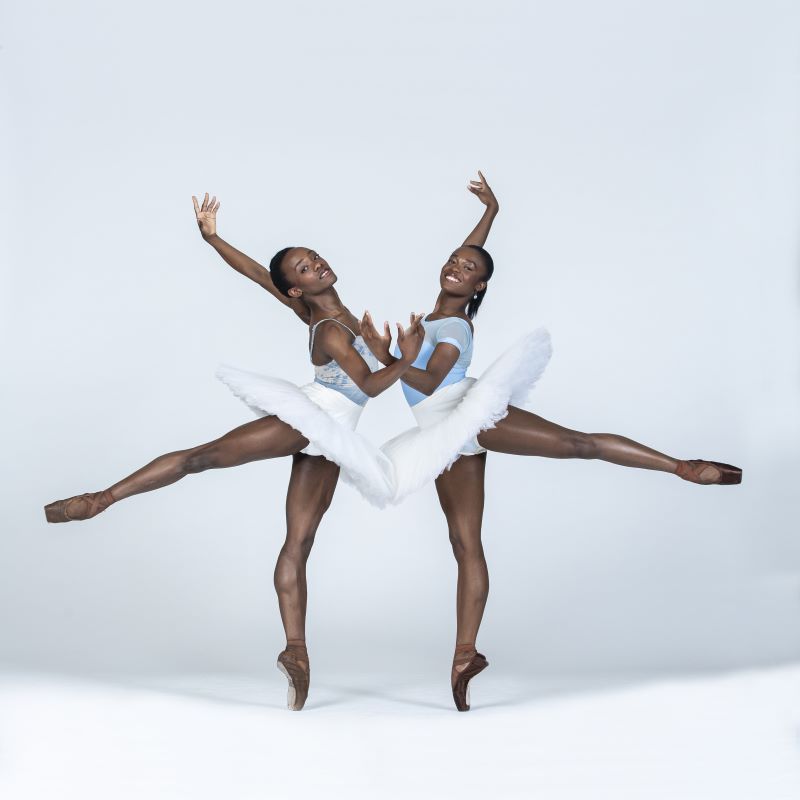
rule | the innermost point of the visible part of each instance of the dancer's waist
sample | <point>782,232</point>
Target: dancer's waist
<point>346,389</point>
<point>334,403</point>
<point>435,407</point>
<point>414,397</point>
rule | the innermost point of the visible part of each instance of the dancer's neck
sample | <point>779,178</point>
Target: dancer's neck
<point>449,306</point>
<point>326,305</point>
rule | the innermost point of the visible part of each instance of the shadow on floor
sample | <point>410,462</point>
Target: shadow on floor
<point>374,692</point>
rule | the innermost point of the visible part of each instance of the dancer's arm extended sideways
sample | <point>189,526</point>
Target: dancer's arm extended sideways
<point>207,222</point>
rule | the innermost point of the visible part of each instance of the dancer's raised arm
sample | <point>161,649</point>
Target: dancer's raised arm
<point>484,193</point>
<point>462,274</point>
<point>207,222</point>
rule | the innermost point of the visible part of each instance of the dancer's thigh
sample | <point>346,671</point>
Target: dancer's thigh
<point>267,437</point>
<point>524,434</point>
<point>311,487</point>
<point>461,495</point>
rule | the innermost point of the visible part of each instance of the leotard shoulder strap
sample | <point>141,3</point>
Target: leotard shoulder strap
<point>317,324</point>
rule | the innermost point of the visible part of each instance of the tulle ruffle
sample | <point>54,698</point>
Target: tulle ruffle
<point>326,418</point>
<point>421,454</point>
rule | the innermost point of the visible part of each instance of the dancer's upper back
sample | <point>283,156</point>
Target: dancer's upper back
<point>333,376</point>
<point>452,330</point>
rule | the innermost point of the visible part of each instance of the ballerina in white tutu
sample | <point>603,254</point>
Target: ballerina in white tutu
<point>459,416</point>
<point>314,424</point>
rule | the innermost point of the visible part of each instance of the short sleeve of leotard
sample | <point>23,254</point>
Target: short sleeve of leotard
<point>455,331</point>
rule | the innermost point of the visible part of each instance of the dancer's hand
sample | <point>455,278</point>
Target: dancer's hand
<point>483,192</point>
<point>377,343</point>
<point>410,340</point>
<point>206,215</point>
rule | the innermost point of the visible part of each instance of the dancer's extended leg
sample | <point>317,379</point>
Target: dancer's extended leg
<point>525,434</point>
<point>461,496</point>
<point>268,437</point>
<point>311,489</point>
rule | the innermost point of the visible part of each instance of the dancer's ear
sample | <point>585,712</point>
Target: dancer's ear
<point>295,292</point>
<point>479,287</point>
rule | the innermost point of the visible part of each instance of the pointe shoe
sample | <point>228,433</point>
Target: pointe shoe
<point>466,665</point>
<point>82,506</point>
<point>293,663</point>
<point>708,472</point>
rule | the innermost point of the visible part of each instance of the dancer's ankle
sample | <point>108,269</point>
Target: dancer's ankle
<point>464,652</point>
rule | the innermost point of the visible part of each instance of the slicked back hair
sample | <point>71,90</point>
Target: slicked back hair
<point>488,262</point>
<point>277,274</point>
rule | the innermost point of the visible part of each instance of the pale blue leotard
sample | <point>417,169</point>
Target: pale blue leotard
<point>452,330</point>
<point>332,376</point>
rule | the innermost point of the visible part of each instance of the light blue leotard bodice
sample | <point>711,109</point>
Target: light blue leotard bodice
<point>332,376</point>
<point>453,330</point>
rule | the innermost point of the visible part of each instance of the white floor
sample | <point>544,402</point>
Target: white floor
<point>732,737</point>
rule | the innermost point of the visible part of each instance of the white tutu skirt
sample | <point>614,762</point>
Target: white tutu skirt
<point>450,419</point>
<point>326,418</point>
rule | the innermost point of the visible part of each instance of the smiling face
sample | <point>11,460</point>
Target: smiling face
<point>464,273</point>
<point>307,272</point>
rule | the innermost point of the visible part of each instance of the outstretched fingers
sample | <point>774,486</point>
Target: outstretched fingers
<point>367,323</point>
<point>481,186</point>
<point>207,211</point>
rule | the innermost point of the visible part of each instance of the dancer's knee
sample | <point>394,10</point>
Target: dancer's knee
<point>200,460</point>
<point>582,445</point>
<point>465,546</point>
<point>291,563</point>
<point>298,546</point>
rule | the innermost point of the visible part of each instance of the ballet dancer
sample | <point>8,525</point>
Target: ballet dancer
<point>459,416</point>
<point>314,424</point>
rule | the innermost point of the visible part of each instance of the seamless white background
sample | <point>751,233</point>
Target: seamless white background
<point>645,156</point>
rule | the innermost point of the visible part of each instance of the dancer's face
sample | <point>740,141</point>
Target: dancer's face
<point>464,273</point>
<point>307,271</point>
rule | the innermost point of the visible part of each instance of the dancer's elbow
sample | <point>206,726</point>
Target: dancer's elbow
<point>370,389</point>
<point>431,386</point>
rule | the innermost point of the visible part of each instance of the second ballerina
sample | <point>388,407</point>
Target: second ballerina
<point>459,419</point>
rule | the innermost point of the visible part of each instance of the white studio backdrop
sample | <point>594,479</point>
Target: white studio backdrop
<point>645,156</point>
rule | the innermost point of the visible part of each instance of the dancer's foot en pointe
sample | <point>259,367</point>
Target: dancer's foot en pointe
<point>82,506</point>
<point>708,472</point>
<point>467,663</point>
<point>294,664</point>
